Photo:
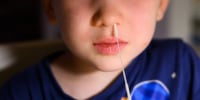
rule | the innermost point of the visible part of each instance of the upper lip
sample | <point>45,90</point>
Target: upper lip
<point>109,41</point>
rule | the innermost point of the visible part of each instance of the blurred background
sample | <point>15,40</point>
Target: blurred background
<point>24,20</point>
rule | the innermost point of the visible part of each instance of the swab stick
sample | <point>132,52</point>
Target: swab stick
<point>124,73</point>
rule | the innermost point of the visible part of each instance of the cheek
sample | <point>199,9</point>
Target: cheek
<point>72,19</point>
<point>73,22</point>
<point>142,21</point>
<point>75,28</point>
<point>141,27</point>
<point>142,32</point>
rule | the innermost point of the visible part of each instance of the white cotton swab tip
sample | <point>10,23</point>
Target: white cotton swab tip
<point>116,34</point>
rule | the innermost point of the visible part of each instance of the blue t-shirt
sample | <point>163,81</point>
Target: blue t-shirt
<point>165,70</point>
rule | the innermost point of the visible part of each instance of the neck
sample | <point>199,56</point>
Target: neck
<point>81,82</point>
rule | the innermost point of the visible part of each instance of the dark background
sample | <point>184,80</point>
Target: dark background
<point>20,20</point>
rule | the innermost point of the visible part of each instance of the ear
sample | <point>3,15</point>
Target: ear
<point>162,9</point>
<point>49,11</point>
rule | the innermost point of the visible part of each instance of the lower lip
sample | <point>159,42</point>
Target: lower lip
<point>109,49</point>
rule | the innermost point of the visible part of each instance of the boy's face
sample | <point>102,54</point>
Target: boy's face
<point>87,28</point>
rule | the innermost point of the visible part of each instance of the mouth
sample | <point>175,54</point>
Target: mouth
<point>109,46</point>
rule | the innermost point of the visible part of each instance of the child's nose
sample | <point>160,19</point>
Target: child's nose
<point>107,15</point>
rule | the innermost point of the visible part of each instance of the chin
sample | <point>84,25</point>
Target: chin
<point>110,67</point>
<point>112,63</point>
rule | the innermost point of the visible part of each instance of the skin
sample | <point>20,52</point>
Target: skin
<point>84,22</point>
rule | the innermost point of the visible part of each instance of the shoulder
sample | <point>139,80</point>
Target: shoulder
<point>31,83</point>
<point>172,52</point>
<point>167,44</point>
<point>20,86</point>
<point>173,48</point>
<point>182,58</point>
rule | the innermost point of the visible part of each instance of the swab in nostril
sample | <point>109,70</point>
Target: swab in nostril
<point>124,73</point>
<point>116,31</point>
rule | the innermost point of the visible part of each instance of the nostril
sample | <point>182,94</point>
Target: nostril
<point>95,20</point>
